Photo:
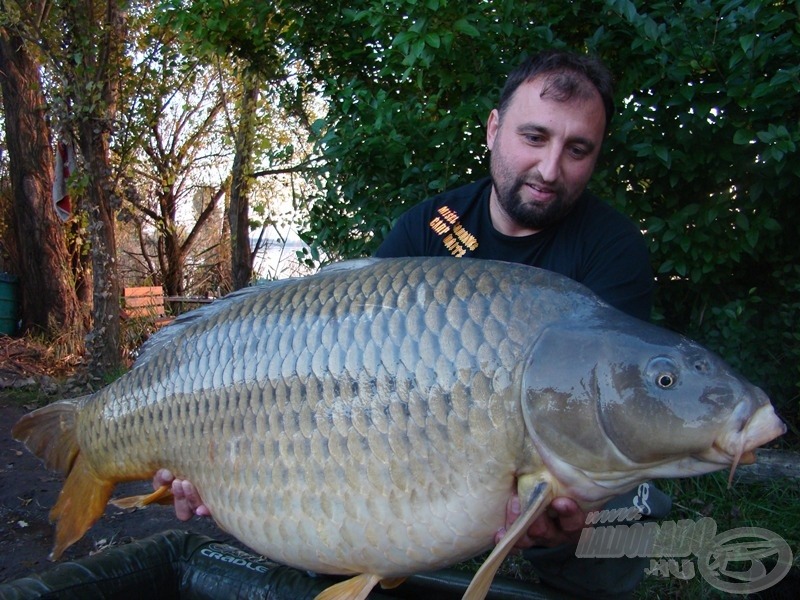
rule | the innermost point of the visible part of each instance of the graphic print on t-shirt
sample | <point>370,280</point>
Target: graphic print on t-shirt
<point>454,237</point>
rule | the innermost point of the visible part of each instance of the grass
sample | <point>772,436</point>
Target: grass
<point>773,505</point>
<point>29,397</point>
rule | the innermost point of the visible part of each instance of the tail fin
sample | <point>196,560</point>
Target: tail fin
<point>50,433</point>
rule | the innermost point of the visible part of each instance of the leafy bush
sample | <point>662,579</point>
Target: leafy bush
<point>759,336</point>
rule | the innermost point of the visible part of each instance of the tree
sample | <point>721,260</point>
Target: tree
<point>239,208</point>
<point>705,156</point>
<point>254,35</point>
<point>94,42</point>
<point>409,89</point>
<point>173,116</point>
<point>49,302</point>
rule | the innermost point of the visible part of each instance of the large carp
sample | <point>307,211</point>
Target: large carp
<point>375,418</point>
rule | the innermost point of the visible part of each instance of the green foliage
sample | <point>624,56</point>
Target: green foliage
<point>407,106</point>
<point>758,334</point>
<point>28,397</point>
<point>241,29</point>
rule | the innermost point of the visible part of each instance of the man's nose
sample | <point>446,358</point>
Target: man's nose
<point>550,164</point>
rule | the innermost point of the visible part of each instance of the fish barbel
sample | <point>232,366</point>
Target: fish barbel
<point>375,418</point>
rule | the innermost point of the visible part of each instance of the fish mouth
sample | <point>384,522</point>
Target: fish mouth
<point>737,445</point>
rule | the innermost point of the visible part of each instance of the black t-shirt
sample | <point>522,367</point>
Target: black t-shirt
<point>594,244</point>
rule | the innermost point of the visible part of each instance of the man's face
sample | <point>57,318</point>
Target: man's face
<point>543,154</point>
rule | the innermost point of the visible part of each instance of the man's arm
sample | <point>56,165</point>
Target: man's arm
<point>624,278</point>
<point>410,235</point>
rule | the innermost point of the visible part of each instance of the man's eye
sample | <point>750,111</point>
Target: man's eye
<point>579,152</point>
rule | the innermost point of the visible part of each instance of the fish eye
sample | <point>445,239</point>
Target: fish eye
<point>663,372</point>
<point>665,380</point>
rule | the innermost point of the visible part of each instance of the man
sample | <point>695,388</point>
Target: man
<point>544,137</point>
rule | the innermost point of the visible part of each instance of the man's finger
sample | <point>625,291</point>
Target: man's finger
<point>162,477</point>
<point>570,516</point>
<point>183,511</point>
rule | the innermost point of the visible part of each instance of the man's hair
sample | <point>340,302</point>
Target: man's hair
<point>568,76</point>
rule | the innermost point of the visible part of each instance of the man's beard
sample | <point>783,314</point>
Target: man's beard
<point>529,214</point>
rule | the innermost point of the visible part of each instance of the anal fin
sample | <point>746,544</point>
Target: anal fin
<point>538,499</point>
<point>392,582</point>
<point>162,495</point>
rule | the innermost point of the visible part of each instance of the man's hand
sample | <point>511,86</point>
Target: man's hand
<point>561,523</point>
<point>187,500</point>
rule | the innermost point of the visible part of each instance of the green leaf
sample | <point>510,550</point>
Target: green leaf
<point>662,152</point>
<point>654,225</point>
<point>433,40</point>
<point>742,222</point>
<point>403,38</point>
<point>742,137</point>
<point>746,42</point>
<point>752,237</point>
<point>463,26</point>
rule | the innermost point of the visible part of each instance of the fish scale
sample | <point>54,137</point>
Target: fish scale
<point>376,418</point>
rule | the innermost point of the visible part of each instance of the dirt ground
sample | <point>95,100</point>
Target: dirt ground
<point>28,491</point>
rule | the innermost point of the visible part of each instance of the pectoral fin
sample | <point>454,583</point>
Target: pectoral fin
<point>538,498</point>
<point>355,588</point>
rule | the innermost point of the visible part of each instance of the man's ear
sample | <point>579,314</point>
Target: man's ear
<point>492,125</point>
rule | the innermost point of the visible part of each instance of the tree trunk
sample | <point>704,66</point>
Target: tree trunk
<point>48,299</point>
<point>96,36</point>
<point>170,253</point>
<point>224,280</point>
<point>239,209</point>
<point>103,342</point>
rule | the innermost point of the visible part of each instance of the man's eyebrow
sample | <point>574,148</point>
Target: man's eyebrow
<point>526,128</point>
<point>532,128</point>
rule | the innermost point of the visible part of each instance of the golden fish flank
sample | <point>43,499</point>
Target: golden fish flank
<point>374,418</point>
